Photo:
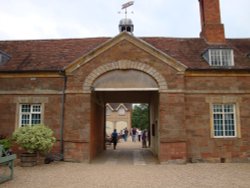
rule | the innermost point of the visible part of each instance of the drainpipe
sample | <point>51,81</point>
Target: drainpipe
<point>62,114</point>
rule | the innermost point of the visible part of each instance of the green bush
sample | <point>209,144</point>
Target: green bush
<point>37,138</point>
<point>6,143</point>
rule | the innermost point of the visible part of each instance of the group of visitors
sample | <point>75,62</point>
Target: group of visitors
<point>136,135</point>
<point>140,135</point>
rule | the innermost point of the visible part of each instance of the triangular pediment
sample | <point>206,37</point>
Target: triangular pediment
<point>121,106</point>
<point>139,43</point>
<point>108,106</point>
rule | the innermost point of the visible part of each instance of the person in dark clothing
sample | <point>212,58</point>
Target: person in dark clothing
<point>126,134</point>
<point>114,138</point>
<point>144,138</point>
<point>133,133</point>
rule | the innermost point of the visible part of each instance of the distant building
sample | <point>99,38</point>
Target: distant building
<point>118,116</point>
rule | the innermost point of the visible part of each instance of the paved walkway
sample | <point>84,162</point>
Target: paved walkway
<point>130,166</point>
<point>130,153</point>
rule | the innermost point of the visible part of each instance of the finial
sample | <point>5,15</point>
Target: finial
<point>126,24</point>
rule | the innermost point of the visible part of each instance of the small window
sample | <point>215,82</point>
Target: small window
<point>224,121</point>
<point>30,114</point>
<point>219,57</point>
<point>4,58</point>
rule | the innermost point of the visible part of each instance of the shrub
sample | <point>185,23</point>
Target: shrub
<point>6,143</point>
<point>37,138</point>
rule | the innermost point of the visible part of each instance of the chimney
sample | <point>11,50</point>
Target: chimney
<point>212,30</point>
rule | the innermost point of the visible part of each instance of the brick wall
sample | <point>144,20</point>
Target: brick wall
<point>203,91</point>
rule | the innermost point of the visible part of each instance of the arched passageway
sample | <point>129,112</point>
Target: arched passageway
<point>133,151</point>
<point>122,82</point>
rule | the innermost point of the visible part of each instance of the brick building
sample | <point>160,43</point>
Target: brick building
<point>198,90</point>
<point>118,116</point>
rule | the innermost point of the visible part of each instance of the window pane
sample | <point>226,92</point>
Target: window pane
<point>25,108</point>
<point>218,125</point>
<point>36,119</point>
<point>218,108</point>
<point>25,120</point>
<point>36,108</point>
<point>224,57</point>
<point>228,108</point>
<point>229,125</point>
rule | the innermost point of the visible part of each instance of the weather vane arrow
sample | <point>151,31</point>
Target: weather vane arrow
<point>126,5</point>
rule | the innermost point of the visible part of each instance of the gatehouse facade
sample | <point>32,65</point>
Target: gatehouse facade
<point>198,90</point>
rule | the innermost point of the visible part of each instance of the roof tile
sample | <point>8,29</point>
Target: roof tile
<point>52,55</point>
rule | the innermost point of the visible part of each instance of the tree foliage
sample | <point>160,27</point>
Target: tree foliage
<point>140,116</point>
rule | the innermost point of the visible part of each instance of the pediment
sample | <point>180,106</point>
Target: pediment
<point>121,106</point>
<point>139,43</point>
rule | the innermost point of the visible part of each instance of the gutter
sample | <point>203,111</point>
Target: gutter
<point>219,69</point>
<point>28,71</point>
<point>62,114</point>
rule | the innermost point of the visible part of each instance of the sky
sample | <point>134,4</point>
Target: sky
<point>56,19</point>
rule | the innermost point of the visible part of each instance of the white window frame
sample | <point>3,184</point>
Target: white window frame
<point>33,111</point>
<point>223,113</point>
<point>220,57</point>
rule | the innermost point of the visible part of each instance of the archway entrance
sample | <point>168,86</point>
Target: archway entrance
<point>122,82</point>
<point>98,129</point>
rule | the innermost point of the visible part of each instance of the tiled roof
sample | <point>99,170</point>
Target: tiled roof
<point>189,51</point>
<point>46,54</point>
<point>56,54</point>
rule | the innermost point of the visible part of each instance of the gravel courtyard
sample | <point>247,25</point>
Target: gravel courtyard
<point>131,167</point>
<point>115,176</point>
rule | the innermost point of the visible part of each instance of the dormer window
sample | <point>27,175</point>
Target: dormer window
<point>4,58</point>
<point>219,57</point>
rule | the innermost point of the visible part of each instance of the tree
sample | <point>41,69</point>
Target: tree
<point>140,116</point>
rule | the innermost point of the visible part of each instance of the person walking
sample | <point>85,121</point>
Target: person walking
<point>126,134</point>
<point>114,136</point>
<point>139,134</point>
<point>123,134</point>
<point>133,133</point>
<point>144,138</point>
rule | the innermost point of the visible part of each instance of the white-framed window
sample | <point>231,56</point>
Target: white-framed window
<point>219,57</point>
<point>224,120</point>
<point>30,114</point>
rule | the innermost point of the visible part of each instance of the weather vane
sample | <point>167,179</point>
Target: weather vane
<point>125,6</point>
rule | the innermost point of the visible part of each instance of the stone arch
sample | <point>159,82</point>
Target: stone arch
<point>122,65</point>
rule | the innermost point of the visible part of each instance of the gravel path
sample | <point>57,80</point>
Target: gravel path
<point>132,168</point>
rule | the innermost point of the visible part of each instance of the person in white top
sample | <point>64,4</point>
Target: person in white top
<point>139,134</point>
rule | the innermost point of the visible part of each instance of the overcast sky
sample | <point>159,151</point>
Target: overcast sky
<point>53,19</point>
